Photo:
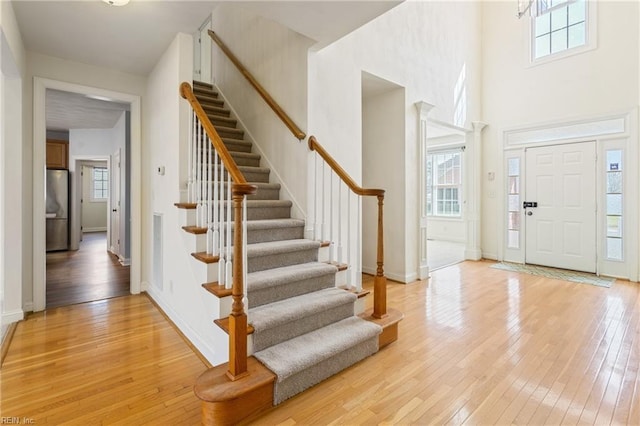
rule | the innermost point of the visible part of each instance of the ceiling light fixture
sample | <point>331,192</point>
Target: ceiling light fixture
<point>116,2</point>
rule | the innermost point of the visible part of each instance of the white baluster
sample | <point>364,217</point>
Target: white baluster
<point>216,201</point>
<point>209,195</point>
<point>316,216</point>
<point>190,197</point>
<point>359,247</point>
<point>339,257</point>
<point>199,177</point>
<point>322,227</point>
<point>222,260</point>
<point>349,268</point>
<point>331,222</point>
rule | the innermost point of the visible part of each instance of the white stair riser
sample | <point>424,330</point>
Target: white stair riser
<point>187,217</point>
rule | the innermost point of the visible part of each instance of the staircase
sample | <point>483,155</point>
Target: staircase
<point>302,326</point>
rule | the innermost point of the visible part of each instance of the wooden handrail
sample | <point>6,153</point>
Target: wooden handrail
<point>315,146</point>
<point>299,134</point>
<point>236,175</point>
<point>380,281</point>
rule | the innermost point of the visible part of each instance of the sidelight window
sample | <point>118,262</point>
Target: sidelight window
<point>614,204</point>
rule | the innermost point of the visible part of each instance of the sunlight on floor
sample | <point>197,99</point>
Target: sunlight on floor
<point>444,253</point>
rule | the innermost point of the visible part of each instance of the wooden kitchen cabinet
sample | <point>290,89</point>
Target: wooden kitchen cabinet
<point>57,154</point>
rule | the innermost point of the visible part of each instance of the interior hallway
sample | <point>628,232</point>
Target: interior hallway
<point>85,275</point>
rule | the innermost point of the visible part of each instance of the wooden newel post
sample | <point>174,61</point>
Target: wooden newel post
<point>380,281</point>
<point>238,317</point>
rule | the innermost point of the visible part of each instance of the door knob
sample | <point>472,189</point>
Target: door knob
<point>529,213</point>
<point>114,210</point>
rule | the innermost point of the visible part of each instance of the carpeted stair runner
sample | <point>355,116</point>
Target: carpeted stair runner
<point>305,329</point>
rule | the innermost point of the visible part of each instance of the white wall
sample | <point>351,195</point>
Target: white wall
<point>277,58</point>
<point>12,210</point>
<point>426,47</point>
<point>180,293</point>
<point>383,127</point>
<point>590,84</point>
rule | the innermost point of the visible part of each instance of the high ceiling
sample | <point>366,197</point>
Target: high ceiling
<point>132,38</point>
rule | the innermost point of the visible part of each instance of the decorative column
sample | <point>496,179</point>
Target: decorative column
<point>423,111</point>
<point>473,250</point>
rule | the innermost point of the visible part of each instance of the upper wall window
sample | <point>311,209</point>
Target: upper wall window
<point>564,27</point>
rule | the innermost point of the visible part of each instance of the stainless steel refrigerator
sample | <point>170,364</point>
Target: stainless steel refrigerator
<point>57,209</point>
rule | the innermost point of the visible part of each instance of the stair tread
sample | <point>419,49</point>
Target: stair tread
<point>279,247</point>
<point>277,313</point>
<point>252,204</point>
<point>273,223</point>
<point>220,128</point>
<point>278,276</point>
<point>254,169</point>
<point>292,356</point>
<point>236,141</point>
<point>245,154</point>
<point>252,225</point>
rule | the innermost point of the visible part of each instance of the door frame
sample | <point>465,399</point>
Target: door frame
<point>614,131</point>
<point>77,192</point>
<point>40,85</point>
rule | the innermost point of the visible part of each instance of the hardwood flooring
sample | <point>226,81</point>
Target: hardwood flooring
<point>477,346</point>
<point>88,274</point>
<point>480,346</point>
<point>113,361</point>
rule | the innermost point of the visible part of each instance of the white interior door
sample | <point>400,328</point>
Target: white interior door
<point>202,53</point>
<point>114,194</point>
<point>561,229</point>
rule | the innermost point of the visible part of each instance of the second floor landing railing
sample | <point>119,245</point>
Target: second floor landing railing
<point>218,189</point>
<point>299,134</point>
<point>328,211</point>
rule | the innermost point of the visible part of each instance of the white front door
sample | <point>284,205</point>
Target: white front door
<point>561,229</point>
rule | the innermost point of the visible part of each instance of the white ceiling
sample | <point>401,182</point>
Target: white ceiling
<point>132,38</point>
<point>65,110</point>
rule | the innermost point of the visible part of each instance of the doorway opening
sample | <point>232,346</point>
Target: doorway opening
<point>89,141</point>
<point>446,194</point>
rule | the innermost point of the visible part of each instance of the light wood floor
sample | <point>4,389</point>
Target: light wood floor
<point>114,361</point>
<point>477,346</point>
<point>85,275</point>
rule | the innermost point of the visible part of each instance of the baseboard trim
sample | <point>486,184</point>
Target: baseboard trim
<point>192,338</point>
<point>473,254</point>
<point>13,316</point>
<point>404,279</point>
<point>124,261</point>
<point>98,229</point>
<point>6,341</point>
